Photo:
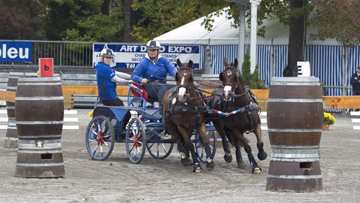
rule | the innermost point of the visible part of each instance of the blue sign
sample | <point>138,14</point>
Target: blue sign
<point>12,51</point>
<point>129,55</point>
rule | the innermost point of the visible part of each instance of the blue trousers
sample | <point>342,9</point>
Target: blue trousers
<point>156,90</point>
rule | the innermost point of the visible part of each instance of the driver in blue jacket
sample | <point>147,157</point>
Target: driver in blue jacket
<point>152,70</point>
<point>107,79</point>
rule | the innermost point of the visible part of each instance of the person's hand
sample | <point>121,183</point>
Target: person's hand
<point>144,81</point>
<point>130,81</point>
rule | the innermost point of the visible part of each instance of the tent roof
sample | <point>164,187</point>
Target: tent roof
<point>224,34</point>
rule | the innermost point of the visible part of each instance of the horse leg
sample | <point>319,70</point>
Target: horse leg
<point>239,159</point>
<point>183,151</point>
<point>209,158</point>
<point>186,134</point>
<point>260,145</point>
<point>220,129</point>
<point>255,168</point>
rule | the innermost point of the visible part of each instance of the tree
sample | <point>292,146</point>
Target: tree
<point>297,33</point>
<point>245,68</point>
<point>126,8</point>
<point>20,19</point>
<point>84,20</point>
<point>345,27</point>
<point>255,82</point>
<point>158,17</point>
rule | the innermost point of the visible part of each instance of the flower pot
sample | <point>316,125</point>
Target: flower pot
<point>325,127</point>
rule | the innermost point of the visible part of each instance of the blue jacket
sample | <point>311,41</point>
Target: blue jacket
<point>106,87</point>
<point>146,68</point>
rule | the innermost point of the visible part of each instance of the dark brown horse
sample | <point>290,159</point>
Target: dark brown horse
<point>239,115</point>
<point>183,110</point>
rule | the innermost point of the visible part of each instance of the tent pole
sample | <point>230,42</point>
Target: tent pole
<point>254,5</point>
<point>241,47</point>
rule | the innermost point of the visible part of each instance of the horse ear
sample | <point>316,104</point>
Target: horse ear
<point>225,61</point>
<point>178,62</point>
<point>221,77</point>
<point>191,64</point>
<point>236,63</point>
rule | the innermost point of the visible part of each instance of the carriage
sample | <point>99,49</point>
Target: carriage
<point>139,126</point>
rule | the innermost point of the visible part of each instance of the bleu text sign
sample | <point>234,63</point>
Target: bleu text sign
<point>13,51</point>
<point>129,55</point>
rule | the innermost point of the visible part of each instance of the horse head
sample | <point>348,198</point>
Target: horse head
<point>184,79</point>
<point>231,79</point>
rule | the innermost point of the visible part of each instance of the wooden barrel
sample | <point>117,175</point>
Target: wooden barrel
<point>11,139</point>
<point>39,116</point>
<point>294,117</point>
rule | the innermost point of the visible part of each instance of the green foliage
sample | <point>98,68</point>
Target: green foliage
<point>345,27</point>
<point>83,20</point>
<point>159,17</point>
<point>255,82</point>
<point>245,68</point>
<point>21,19</point>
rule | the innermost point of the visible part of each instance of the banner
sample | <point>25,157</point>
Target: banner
<point>12,51</point>
<point>129,55</point>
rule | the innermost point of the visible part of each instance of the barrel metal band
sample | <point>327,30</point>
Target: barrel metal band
<point>11,107</point>
<point>39,84</point>
<point>276,130</point>
<point>34,147</point>
<point>39,136</point>
<point>11,88</point>
<point>11,138</point>
<point>294,160</point>
<point>35,141</point>
<point>39,122</point>
<point>39,165</point>
<point>38,98</point>
<point>295,176</point>
<point>295,147</point>
<point>40,152</point>
<point>295,100</point>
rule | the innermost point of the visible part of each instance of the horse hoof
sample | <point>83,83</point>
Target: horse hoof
<point>262,156</point>
<point>197,170</point>
<point>257,170</point>
<point>228,159</point>
<point>241,164</point>
<point>186,162</point>
<point>210,166</point>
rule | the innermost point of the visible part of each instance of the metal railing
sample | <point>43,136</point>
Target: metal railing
<point>64,53</point>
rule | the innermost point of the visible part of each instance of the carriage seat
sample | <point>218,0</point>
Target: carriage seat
<point>139,91</point>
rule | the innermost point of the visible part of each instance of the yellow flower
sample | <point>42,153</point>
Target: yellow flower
<point>328,119</point>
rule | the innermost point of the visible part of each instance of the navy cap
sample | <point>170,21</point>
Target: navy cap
<point>358,67</point>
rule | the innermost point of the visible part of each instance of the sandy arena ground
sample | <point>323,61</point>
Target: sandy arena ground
<point>118,180</point>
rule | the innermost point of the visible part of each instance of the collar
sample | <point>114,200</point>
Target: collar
<point>147,56</point>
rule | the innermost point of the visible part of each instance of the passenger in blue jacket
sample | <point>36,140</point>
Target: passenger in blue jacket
<point>152,70</point>
<point>107,79</point>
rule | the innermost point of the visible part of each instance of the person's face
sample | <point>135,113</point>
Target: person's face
<point>358,71</point>
<point>108,60</point>
<point>153,53</point>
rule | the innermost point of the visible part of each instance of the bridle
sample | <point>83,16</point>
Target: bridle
<point>229,70</point>
<point>185,72</point>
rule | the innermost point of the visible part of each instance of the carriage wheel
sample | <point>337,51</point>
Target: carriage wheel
<point>135,140</point>
<point>200,147</point>
<point>100,138</point>
<point>161,149</point>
